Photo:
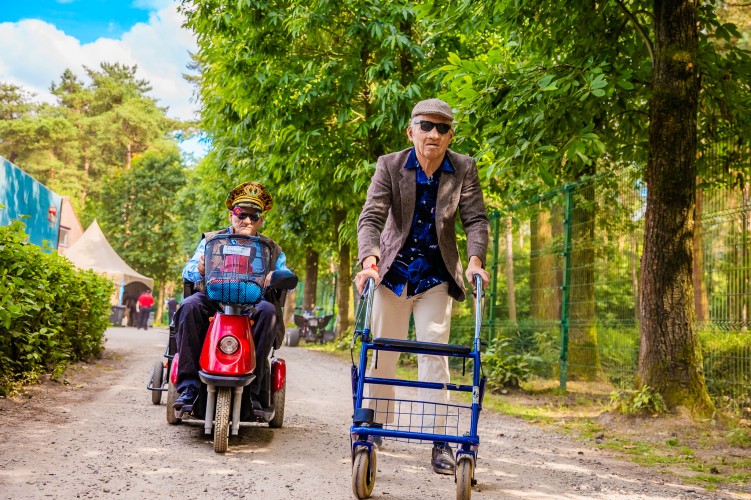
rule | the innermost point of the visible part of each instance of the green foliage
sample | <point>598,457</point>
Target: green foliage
<point>76,145</point>
<point>726,365</point>
<point>50,313</point>
<point>739,437</point>
<point>142,219</point>
<point>504,368</point>
<point>642,401</point>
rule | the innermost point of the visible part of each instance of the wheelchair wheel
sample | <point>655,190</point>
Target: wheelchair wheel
<point>172,396</point>
<point>464,474</point>
<point>277,400</point>
<point>157,377</point>
<point>363,472</point>
<point>292,337</point>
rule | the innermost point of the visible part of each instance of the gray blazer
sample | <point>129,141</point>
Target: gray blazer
<point>386,218</point>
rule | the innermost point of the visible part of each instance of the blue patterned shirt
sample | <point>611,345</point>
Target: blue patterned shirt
<point>419,264</point>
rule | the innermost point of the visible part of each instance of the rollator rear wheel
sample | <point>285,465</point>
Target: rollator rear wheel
<point>464,473</point>
<point>363,472</point>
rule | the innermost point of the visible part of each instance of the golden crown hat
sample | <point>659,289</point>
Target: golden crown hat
<point>253,193</point>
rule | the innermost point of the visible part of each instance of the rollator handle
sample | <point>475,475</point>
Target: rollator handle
<point>478,308</point>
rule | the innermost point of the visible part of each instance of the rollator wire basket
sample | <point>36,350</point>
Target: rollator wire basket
<point>412,420</point>
<point>421,417</point>
<point>236,268</point>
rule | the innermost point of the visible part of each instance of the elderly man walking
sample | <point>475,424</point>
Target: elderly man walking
<point>407,242</point>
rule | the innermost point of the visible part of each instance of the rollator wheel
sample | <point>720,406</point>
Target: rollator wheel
<point>221,422</point>
<point>464,473</point>
<point>363,472</point>
<point>156,382</point>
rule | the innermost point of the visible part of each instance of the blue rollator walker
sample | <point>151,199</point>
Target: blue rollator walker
<point>407,420</point>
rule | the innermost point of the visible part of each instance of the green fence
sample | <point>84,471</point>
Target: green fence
<point>565,270</point>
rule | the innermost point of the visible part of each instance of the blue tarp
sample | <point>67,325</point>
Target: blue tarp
<point>22,195</point>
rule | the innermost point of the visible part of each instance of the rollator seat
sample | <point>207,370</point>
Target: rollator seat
<point>421,347</point>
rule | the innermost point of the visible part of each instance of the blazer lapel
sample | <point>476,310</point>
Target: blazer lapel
<point>408,190</point>
<point>445,189</point>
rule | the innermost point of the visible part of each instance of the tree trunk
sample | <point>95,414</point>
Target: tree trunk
<point>670,359</point>
<point>583,353</point>
<point>343,290</point>
<point>344,279</point>
<point>542,278</point>
<point>159,302</point>
<point>635,279</point>
<point>311,280</point>
<point>510,290</point>
<point>128,156</point>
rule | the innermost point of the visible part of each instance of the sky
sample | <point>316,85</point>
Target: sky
<point>39,39</point>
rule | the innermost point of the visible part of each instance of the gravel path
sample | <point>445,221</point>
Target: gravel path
<point>101,437</point>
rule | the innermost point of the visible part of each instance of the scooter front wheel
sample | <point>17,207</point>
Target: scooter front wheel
<point>364,472</point>
<point>221,422</point>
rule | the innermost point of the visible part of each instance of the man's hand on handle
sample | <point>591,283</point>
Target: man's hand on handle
<point>202,265</point>
<point>362,277</point>
<point>475,267</point>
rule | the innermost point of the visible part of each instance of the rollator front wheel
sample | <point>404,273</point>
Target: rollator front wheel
<point>364,472</point>
<point>464,473</point>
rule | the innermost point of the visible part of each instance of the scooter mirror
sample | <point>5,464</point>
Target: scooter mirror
<point>283,280</point>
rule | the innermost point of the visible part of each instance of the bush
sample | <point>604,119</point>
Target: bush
<point>50,313</point>
<point>643,401</point>
<point>504,368</point>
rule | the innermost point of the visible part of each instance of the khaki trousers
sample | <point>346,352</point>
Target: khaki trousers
<point>390,319</point>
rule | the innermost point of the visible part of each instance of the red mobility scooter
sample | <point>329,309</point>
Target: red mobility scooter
<point>236,269</point>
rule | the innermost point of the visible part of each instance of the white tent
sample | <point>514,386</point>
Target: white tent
<point>93,251</point>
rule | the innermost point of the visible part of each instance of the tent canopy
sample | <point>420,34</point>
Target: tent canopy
<point>93,251</point>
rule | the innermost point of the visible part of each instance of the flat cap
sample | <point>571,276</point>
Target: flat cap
<point>433,107</point>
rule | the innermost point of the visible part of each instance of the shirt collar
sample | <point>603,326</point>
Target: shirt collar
<point>413,164</point>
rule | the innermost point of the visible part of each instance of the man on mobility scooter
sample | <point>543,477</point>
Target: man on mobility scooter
<point>246,203</point>
<point>407,241</point>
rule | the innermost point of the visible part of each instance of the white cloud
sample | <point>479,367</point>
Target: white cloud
<point>35,53</point>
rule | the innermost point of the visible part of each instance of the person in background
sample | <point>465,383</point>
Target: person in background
<point>406,237</point>
<point>143,306</point>
<point>172,304</point>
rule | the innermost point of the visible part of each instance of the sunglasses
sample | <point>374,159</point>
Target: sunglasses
<point>427,126</point>
<point>254,216</point>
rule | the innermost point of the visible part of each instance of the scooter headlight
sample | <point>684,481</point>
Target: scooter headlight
<point>229,345</point>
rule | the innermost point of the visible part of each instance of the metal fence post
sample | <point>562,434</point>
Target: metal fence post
<point>566,288</point>
<point>494,277</point>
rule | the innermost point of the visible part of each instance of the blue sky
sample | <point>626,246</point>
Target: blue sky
<point>42,38</point>
<point>86,20</point>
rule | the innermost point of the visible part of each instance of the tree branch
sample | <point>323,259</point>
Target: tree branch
<point>639,29</point>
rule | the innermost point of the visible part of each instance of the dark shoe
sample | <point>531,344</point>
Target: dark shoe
<point>187,399</point>
<point>257,405</point>
<point>443,459</point>
<point>377,440</point>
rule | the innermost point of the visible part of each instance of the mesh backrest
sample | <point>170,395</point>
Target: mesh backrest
<point>236,268</point>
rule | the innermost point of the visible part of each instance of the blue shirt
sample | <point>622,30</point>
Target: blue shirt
<point>419,264</point>
<point>191,273</point>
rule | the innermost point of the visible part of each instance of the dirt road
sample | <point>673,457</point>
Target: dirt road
<point>101,437</point>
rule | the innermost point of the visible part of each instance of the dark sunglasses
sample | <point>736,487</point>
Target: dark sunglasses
<point>427,126</point>
<point>254,216</point>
